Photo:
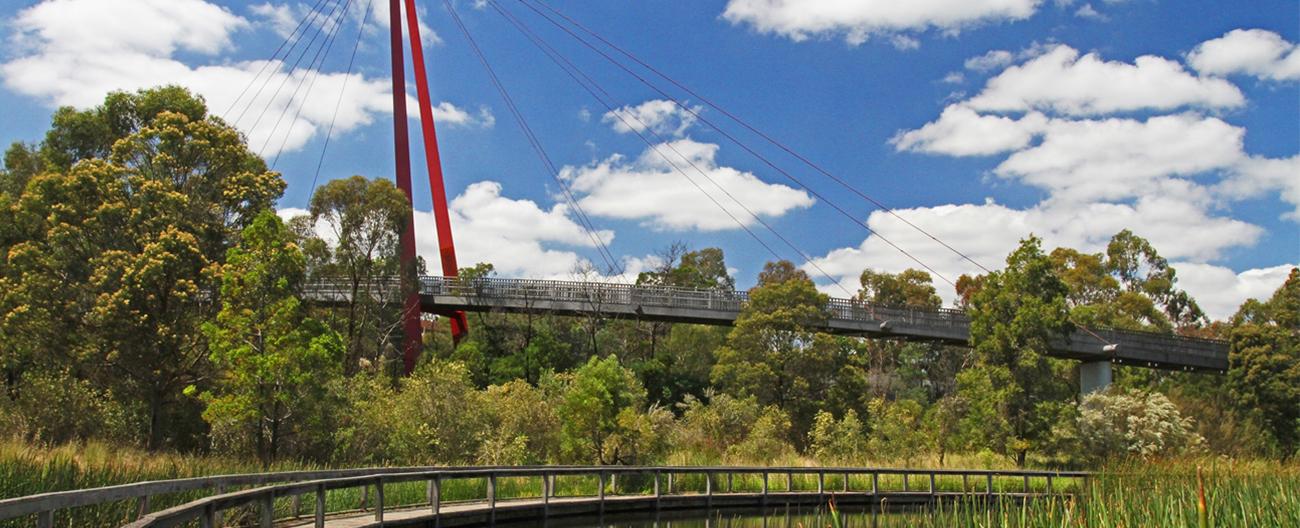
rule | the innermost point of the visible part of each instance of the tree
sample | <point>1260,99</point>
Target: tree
<point>592,409</point>
<point>1017,314</point>
<point>837,442</point>
<point>911,288</point>
<point>274,363</point>
<point>774,352</point>
<point>1264,363</point>
<point>364,218</point>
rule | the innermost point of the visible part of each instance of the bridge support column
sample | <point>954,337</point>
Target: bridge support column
<point>1094,376</point>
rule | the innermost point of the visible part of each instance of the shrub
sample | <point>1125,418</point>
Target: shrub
<point>1134,423</point>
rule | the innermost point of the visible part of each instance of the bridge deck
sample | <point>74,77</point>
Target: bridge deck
<point>716,307</point>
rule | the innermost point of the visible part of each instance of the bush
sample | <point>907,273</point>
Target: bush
<point>834,442</point>
<point>1118,422</point>
<point>56,407</point>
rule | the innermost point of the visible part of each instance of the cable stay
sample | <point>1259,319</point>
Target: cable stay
<point>276,53</point>
<point>753,129</point>
<point>310,21</point>
<point>614,268</point>
<point>320,162</point>
<point>605,99</point>
<point>297,62</point>
<point>318,62</point>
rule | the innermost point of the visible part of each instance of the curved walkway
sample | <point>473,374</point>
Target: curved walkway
<point>533,492</point>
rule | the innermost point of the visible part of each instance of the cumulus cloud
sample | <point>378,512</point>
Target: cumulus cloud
<point>992,60</point>
<point>988,232</point>
<point>1062,81</point>
<point>858,20</point>
<point>136,44</point>
<point>650,188</point>
<point>1255,177</point>
<point>960,131</point>
<point>1257,52</point>
<point>1162,176</point>
<point>660,116</point>
<point>1220,291</point>
<point>519,237</point>
<point>1120,158</point>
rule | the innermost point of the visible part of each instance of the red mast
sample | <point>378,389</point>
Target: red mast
<point>446,247</point>
<point>412,342</point>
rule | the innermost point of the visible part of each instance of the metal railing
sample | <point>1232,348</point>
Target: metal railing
<point>664,483</point>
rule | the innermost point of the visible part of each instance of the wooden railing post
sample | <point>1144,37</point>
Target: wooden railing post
<point>657,493</point>
<point>379,499</point>
<point>142,507</point>
<point>1026,484</point>
<point>708,488</point>
<point>492,498</point>
<point>209,516</point>
<point>267,510</point>
<point>45,519</point>
<point>670,482</point>
<point>601,491</point>
<point>965,483</point>
<point>988,490</point>
<point>1049,484</point>
<point>730,488</point>
<point>931,483</point>
<point>320,506</point>
<point>821,483</point>
<point>297,505</point>
<point>789,482</point>
<point>875,484</point>
<point>846,482</point>
<point>906,485</point>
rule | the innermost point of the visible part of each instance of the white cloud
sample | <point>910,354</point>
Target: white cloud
<point>988,232</point>
<point>1220,291</point>
<point>660,116</point>
<point>516,236</point>
<point>858,20</point>
<point>1255,177</point>
<point>134,46</point>
<point>1263,54</point>
<point>649,188</point>
<point>1122,158</point>
<point>452,115</point>
<point>1089,12</point>
<point>1062,81</point>
<point>992,60</point>
<point>960,131</point>
<point>904,42</point>
<point>1166,177</point>
<point>954,77</point>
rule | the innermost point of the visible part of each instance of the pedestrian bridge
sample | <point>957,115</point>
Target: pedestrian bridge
<point>718,307</point>
<point>464,496</point>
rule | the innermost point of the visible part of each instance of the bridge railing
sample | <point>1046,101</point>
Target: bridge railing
<point>664,482</point>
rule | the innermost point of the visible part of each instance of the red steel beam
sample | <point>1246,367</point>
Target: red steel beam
<point>412,342</point>
<point>446,247</point>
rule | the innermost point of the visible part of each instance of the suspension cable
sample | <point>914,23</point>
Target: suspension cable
<point>536,145</point>
<point>574,72</point>
<point>290,36</point>
<point>736,141</point>
<point>320,162</point>
<point>297,62</point>
<point>315,66</point>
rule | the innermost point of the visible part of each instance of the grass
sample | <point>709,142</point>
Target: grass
<point>1237,493</point>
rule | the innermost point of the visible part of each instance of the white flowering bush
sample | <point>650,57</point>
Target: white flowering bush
<point>1117,422</point>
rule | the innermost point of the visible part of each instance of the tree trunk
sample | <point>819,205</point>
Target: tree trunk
<point>155,419</point>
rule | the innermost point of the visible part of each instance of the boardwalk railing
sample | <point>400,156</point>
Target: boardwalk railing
<point>846,316</point>
<point>644,487</point>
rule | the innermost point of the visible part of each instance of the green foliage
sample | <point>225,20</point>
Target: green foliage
<point>276,364</point>
<point>593,408</point>
<point>911,288</point>
<point>898,429</point>
<point>1016,315</point>
<point>523,426</point>
<point>363,219</point>
<point>1264,359</point>
<point>839,442</point>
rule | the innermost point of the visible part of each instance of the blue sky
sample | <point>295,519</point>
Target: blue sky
<point>980,121</point>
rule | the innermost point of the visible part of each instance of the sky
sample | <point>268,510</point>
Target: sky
<point>958,127</point>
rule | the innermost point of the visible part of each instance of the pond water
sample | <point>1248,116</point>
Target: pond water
<point>773,517</point>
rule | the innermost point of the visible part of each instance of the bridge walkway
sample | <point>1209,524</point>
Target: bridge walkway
<point>717,307</point>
